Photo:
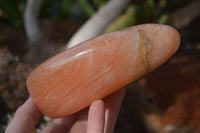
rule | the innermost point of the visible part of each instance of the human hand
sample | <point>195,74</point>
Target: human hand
<point>99,118</point>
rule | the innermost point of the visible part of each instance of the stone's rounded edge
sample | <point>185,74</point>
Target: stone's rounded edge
<point>176,45</point>
<point>28,84</point>
<point>177,37</point>
<point>164,41</point>
<point>177,40</point>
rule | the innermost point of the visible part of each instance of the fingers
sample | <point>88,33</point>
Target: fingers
<point>100,118</point>
<point>96,117</point>
<point>75,123</point>
<point>80,126</point>
<point>24,118</point>
<point>112,105</point>
<point>61,125</point>
<point>67,121</point>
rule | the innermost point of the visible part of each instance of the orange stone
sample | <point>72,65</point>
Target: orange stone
<point>73,79</point>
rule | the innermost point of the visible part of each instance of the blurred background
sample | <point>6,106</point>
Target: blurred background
<point>165,101</point>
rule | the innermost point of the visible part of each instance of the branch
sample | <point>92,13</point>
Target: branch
<point>30,20</point>
<point>99,22</point>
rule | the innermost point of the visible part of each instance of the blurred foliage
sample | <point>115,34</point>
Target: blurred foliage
<point>87,7</point>
<point>128,18</point>
<point>13,90</point>
<point>55,9</point>
<point>171,5</point>
<point>155,11</point>
<point>146,11</point>
<point>11,11</point>
<point>91,6</point>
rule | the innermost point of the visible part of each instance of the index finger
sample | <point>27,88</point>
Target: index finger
<point>24,118</point>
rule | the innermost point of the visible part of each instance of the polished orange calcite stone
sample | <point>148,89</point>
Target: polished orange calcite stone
<point>73,79</point>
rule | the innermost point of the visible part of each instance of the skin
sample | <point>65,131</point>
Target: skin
<point>100,117</point>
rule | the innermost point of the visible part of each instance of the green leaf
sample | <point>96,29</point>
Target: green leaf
<point>87,7</point>
<point>125,20</point>
<point>163,19</point>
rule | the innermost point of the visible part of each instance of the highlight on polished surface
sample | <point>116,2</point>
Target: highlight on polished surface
<point>73,79</point>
